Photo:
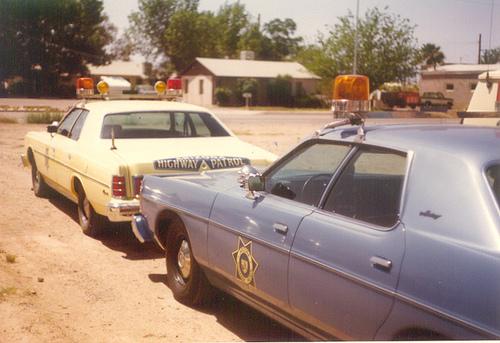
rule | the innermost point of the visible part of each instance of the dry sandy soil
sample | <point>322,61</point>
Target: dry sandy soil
<point>66,287</point>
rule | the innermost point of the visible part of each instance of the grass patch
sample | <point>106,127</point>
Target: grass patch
<point>7,120</point>
<point>7,291</point>
<point>44,117</point>
<point>10,258</point>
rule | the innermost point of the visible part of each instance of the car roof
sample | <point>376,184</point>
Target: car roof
<point>115,106</point>
<point>469,142</point>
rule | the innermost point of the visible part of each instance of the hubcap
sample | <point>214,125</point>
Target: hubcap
<point>36,180</point>
<point>85,212</point>
<point>184,259</point>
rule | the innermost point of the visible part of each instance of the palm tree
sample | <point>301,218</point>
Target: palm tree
<point>431,55</point>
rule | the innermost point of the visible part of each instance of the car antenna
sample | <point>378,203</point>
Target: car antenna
<point>113,146</point>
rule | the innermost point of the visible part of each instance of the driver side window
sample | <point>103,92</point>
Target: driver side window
<point>304,176</point>
<point>67,123</point>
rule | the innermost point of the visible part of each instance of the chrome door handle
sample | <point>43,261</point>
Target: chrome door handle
<point>381,263</point>
<point>280,228</point>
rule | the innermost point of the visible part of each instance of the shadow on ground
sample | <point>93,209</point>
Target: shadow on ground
<point>116,236</point>
<point>241,319</point>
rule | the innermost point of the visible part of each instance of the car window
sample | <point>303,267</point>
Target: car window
<point>161,125</point>
<point>304,176</point>
<point>68,121</point>
<point>77,128</point>
<point>493,177</point>
<point>369,188</point>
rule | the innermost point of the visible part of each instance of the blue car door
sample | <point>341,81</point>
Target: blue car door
<point>249,240</point>
<point>346,256</point>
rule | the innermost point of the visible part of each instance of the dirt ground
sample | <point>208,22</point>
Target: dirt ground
<point>58,285</point>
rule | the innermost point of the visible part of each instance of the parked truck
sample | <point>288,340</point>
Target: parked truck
<point>435,99</point>
<point>392,94</point>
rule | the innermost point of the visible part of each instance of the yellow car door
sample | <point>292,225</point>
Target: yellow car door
<point>62,148</point>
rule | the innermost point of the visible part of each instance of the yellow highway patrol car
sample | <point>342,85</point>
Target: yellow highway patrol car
<point>97,155</point>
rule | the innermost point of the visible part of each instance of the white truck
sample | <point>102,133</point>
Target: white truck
<point>484,107</point>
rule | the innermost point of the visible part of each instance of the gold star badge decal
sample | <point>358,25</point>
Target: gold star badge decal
<point>246,265</point>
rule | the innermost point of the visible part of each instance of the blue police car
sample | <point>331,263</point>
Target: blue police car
<point>385,232</point>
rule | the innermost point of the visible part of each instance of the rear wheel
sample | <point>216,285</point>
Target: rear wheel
<point>184,276</point>
<point>91,222</point>
<point>40,188</point>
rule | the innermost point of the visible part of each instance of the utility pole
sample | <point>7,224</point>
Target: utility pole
<point>479,51</point>
<point>355,61</point>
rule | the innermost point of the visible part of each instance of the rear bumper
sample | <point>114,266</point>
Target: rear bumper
<point>122,210</point>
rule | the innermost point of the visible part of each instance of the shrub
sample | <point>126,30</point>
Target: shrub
<point>223,96</point>
<point>7,120</point>
<point>44,118</point>
<point>310,101</point>
<point>10,258</point>
<point>246,86</point>
<point>279,91</point>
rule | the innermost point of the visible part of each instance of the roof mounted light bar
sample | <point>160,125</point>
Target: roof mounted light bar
<point>349,101</point>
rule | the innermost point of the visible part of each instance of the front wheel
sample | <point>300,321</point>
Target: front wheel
<point>91,222</point>
<point>184,276</point>
<point>40,188</point>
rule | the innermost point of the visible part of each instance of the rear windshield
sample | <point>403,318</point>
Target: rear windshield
<point>161,125</point>
<point>493,176</point>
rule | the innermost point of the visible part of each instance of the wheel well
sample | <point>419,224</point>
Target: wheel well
<point>163,223</point>
<point>76,185</point>
<point>419,334</point>
<point>31,157</point>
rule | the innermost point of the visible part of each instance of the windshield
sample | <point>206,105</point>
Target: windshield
<point>493,177</point>
<point>161,125</point>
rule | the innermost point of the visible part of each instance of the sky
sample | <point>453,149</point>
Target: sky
<point>454,25</point>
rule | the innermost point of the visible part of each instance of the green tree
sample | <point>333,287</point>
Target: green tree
<point>317,61</point>
<point>386,48</point>
<point>279,91</point>
<point>431,55</point>
<point>149,24</point>
<point>491,56</point>
<point>189,36</point>
<point>232,19</point>
<point>254,39</point>
<point>42,39</point>
<point>281,34</point>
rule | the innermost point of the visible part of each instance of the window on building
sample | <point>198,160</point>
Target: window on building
<point>473,86</point>
<point>201,86</point>
<point>186,86</point>
<point>450,87</point>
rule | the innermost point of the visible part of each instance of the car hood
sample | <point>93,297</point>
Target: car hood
<point>158,156</point>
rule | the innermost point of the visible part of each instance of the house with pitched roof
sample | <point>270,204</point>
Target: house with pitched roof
<point>133,72</point>
<point>202,79</point>
<point>456,81</point>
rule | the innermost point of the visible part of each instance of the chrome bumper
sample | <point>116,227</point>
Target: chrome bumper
<point>141,228</point>
<point>122,211</point>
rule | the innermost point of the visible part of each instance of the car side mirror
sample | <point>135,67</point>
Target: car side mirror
<point>250,180</point>
<point>256,183</point>
<point>52,128</point>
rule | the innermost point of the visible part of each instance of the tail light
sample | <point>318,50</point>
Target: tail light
<point>137,184</point>
<point>118,186</point>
